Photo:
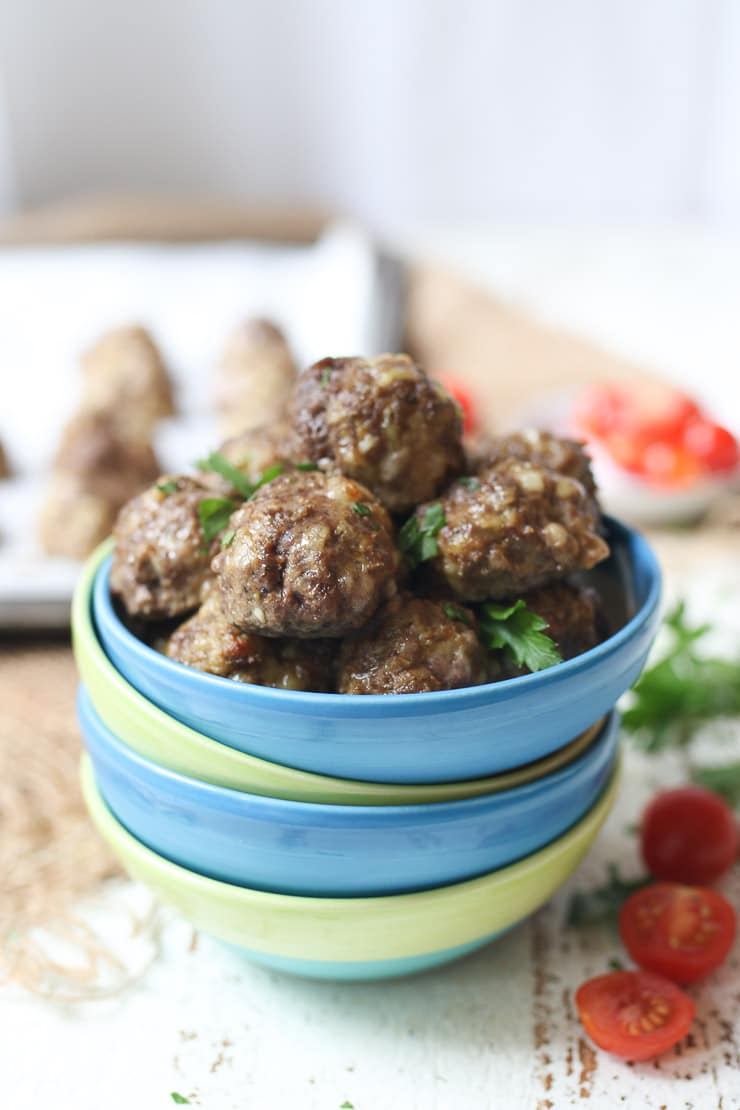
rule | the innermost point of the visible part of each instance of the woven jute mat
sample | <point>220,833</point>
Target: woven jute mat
<point>49,853</point>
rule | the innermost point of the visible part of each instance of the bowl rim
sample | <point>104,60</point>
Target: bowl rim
<point>349,705</point>
<point>232,800</point>
<point>481,885</point>
<point>87,644</point>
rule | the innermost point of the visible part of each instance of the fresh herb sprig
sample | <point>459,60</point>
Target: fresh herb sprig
<point>682,691</point>
<point>214,514</point>
<point>518,631</point>
<point>219,464</point>
<point>418,537</point>
<point>592,907</point>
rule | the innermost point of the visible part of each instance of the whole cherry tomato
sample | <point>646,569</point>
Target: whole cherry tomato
<point>689,835</point>
<point>460,393</point>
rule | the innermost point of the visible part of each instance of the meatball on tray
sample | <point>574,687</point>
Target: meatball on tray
<point>211,331</point>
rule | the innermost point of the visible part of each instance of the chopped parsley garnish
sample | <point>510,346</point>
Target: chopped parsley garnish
<point>214,514</point>
<point>271,472</point>
<point>722,778</point>
<point>325,376</point>
<point>469,482</point>
<point>228,538</point>
<point>306,466</point>
<point>592,907</point>
<point>455,613</point>
<point>167,487</point>
<point>615,964</point>
<point>219,464</point>
<point>416,539</point>
<point>361,509</point>
<point>179,1099</point>
<point>518,631</point>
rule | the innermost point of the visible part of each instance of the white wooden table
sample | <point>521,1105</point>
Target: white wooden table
<point>496,1030</point>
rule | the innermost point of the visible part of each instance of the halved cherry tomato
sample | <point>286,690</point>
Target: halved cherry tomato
<point>646,410</point>
<point>712,445</point>
<point>682,932</point>
<point>689,835</point>
<point>634,1014</point>
<point>457,390</point>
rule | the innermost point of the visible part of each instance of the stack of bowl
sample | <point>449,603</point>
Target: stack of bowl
<point>346,836</point>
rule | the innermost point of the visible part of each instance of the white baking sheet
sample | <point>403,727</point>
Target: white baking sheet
<point>335,297</point>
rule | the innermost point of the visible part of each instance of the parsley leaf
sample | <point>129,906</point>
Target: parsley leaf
<point>591,907</point>
<point>214,514</point>
<point>723,779</point>
<point>325,376</point>
<point>455,613</point>
<point>179,1099</point>
<point>167,487</point>
<point>228,538</point>
<point>268,475</point>
<point>361,509</point>
<point>418,540</point>
<point>518,631</point>
<point>219,464</point>
<point>682,691</point>
<point>306,466</point>
<point>469,482</point>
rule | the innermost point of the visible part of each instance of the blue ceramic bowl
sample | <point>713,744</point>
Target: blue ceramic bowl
<point>411,738</point>
<point>337,850</point>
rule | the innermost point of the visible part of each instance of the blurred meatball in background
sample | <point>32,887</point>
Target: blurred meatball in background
<point>254,378</point>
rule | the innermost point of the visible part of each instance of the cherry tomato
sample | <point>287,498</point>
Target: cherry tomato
<point>647,411</point>
<point>460,393</point>
<point>682,932</point>
<point>712,445</point>
<point>634,1014</point>
<point>689,835</point>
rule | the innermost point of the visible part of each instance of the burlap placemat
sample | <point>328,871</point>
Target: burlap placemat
<point>49,853</point>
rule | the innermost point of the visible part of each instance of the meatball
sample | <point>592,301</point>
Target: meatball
<point>109,462</point>
<point>208,642</point>
<point>513,528</point>
<point>566,456</point>
<point>413,645</point>
<point>255,376</point>
<point>383,422</point>
<point>124,374</point>
<point>73,521</point>
<point>4,464</point>
<point>571,615</point>
<point>254,452</point>
<point>312,555</point>
<point>160,561</point>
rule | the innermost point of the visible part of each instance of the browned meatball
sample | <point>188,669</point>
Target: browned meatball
<point>413,645</point>
<point>312,555</point>
<point>208,642</point>
<point>514,528</point>
<point>124,374</point>
<point>160,562</point>
<point>566,456</point>
<point>255,376</point>
<point>108,461</point>
<point>383,422</point>
<point>571,615</point>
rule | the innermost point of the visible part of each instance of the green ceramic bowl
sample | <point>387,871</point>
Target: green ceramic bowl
<point>355,937</point>
<point>151,732</point>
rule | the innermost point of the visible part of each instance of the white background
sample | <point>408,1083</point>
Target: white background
<point>581,111</point>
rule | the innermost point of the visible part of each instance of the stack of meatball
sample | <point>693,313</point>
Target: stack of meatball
<point>310,581</point>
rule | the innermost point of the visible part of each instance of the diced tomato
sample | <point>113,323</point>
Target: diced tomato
<point>634,1014</point>
<point>712,445</point>
<point>461,394</point>
<point>681,932</point>
<point>689,835</point>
